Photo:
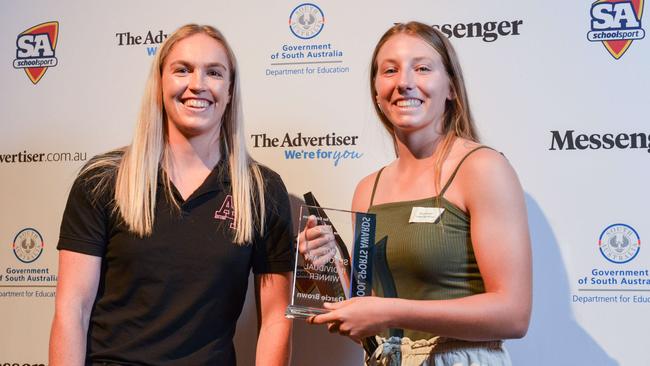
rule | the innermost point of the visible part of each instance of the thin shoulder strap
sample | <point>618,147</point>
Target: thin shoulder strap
<point>453,175</point>
<point>374,187</point>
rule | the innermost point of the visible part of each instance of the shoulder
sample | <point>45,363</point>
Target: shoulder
<point>270,178</point>
<point>98,175</point>
<point>102,164</point>
<point>363,191</point>
<point>486,172</point>
<point>275,191</point>
<point>472,157</point>
<point>267,173</point>
<point>482,161</point>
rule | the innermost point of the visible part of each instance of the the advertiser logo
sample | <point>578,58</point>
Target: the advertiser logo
<point>150,40</point>
<point>616,23</point>
<point>486,31</point>
<point>42,157</point>
<point>35,50</point>
<point>570,140</point>
<point>298,146</point>
<point>300,55</point>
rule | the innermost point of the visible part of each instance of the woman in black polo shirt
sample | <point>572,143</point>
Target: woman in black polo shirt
<point>158,238</point>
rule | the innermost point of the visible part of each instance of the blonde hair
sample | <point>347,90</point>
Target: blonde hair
<point>138,166</point>
<point>457,118</point>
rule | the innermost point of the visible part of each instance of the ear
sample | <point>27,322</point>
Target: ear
<point>231,89</point>
<point>452,94</point>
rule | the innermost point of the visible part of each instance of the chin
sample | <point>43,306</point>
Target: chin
<point>408,125</point>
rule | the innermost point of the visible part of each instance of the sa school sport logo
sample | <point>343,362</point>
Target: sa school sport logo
<point>616,23</point>
<point>306,21</point>
<point>35,50</point>
<point>619,243</point>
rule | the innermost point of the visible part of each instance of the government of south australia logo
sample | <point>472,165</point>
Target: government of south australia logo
<point>35,50</point>
<point>619,243</point>
<point>306,21</point>
<point>28,245</point>
<point>616,23</point>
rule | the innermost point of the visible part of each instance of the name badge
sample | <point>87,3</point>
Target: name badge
<point>425,214</point>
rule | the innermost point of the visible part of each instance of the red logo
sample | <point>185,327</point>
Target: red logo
<point>226,212</point>
<point>35,50</point>
<point>616,23</point>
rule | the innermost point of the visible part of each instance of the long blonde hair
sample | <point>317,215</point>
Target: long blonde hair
<point>138,166</point>
<point>457,118</point>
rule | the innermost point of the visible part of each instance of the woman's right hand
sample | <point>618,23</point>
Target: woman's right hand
<point>316,243</point>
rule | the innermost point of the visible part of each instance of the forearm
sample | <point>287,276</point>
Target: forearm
<point>487,316</point>
<point>274,340</point>
<point>68,340</point>
<point>274,343</point>
<point>75,295</point>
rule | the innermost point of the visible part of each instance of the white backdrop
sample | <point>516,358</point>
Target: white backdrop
<point>547,77</point>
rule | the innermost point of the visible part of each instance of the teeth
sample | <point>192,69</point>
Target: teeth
<point>409,103</point>
<point>196,103</point>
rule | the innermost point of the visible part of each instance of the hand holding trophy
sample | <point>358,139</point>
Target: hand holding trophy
<point>324,271</point>
<point>322,262</point>
<point>316,242</point>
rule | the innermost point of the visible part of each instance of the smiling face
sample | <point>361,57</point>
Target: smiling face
<point>195,85</point>
<point>411,83</point>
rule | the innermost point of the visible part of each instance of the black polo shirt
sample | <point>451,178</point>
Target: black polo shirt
<point>173,298</point>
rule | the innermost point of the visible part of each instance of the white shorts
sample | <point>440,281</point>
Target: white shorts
<point>438,351</point>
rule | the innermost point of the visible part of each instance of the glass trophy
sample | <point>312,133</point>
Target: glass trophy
<point>325,271</point>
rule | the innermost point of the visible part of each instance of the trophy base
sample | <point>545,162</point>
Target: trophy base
<point>302,312</point>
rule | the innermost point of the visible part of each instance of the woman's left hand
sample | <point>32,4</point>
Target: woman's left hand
<point>357,318</point>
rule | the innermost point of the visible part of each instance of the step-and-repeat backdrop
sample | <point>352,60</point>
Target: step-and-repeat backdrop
<point>560,87</point>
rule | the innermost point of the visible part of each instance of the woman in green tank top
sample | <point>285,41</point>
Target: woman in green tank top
<point>454,247</point>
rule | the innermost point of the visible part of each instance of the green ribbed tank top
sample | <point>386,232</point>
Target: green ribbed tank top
<point>424,261</point>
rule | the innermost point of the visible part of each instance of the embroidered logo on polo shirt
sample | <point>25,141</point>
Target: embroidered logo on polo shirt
<point>226,212</point>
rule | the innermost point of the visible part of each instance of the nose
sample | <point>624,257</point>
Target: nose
<point>197,81</point>
<point>406,81</point>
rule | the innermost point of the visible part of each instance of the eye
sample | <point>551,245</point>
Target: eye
<point>389,71</point>
<point>423,68</point>
<point>181,70</point>
<point>215,73</point>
